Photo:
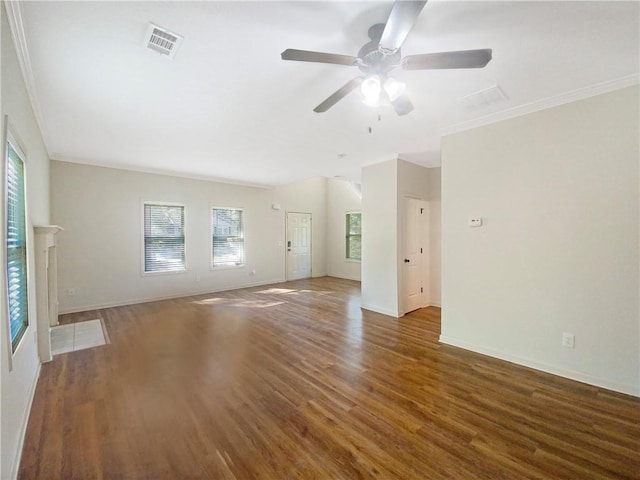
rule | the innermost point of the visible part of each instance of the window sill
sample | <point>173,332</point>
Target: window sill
<point>352,260</point>
<point>168,272</point>
<point>226,267</point>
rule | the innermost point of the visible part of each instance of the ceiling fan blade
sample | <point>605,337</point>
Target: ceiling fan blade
<point>338,95</point>
<point>318,57</point>
<point>401,19</point>
<point>459,59</point>
<point>402,105</point>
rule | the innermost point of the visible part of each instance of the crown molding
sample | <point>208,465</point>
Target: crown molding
<point>57,157</point>
<point>545,103</point>
<point>16,25</point>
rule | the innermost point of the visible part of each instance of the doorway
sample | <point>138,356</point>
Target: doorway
<point>415,255</point>
<point>298,245</point>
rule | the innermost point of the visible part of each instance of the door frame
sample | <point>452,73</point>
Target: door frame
<point>425,260</point>
<point>286,243</point>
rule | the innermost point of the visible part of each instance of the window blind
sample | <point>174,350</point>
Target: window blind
<point>227,231</point>
<point>164,238</point>
<point>354,236</point>
<point>17,295</point>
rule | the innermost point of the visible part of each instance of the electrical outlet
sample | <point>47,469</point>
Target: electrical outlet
<point>197,278</point>
<point>568,340</point>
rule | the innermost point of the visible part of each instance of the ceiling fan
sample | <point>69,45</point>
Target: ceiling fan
<point>382,54</point>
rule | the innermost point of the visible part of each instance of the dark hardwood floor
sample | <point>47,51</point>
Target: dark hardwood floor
<point>296,381</point>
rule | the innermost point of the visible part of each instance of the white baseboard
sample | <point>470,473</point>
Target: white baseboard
<point>434,304</point>
<point>544,367</point>
<point>345,277</point>
<point>23,428</point>
<point>383,311</point>
<point>134,301</point>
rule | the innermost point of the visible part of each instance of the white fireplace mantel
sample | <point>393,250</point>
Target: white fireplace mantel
<point>46,286</point>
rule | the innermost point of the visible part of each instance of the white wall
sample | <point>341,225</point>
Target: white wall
<point>308,196</point>
<point>385,186</point>
<point>380,238</point>
<point>558,251</point>
<point>100,250</point>
<point>17,385</point>
<point>342,197</point>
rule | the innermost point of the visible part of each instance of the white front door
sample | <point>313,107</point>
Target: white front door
<point>298,245</point>
<point>415,262</point>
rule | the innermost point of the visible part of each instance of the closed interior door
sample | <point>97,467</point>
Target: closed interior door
<point>415,263</point>
<point>298,245</point>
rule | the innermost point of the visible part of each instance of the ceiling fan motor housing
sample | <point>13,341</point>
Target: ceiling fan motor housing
<point>373,59</point>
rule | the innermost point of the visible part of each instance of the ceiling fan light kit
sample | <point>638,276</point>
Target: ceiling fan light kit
<point>394,88</point>
<point>382,54</point>
<point>374,88</point>
<point>370,89</point>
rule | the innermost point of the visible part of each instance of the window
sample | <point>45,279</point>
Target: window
<point>17,296</point>
<point>227,237</point>
<point>354,234</point>
<point>163,238</point>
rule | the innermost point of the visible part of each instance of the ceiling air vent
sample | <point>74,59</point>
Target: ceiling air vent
<point>484,98</point>
<point>162,40</point>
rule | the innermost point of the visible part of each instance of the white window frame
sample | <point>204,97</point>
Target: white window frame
<point>143,246</point>
<point>17,145</point>
<point>346,235</point>
<point>244,242</point>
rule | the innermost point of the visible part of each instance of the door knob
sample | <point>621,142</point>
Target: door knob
<point>406,260</point>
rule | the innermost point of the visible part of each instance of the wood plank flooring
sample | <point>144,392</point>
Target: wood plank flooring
<point>296,381</point>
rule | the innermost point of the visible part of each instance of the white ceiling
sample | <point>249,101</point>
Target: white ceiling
<point>228,107</point>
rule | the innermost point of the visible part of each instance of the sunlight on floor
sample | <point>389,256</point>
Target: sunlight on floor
<point>236,302</point>
<point>292,291</point>
<point>278,290</point>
